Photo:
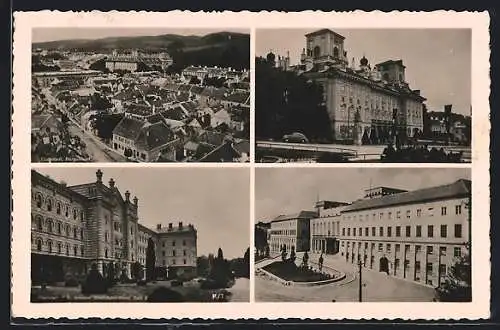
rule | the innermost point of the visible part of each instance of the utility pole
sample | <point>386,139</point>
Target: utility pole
<point>360,295</point>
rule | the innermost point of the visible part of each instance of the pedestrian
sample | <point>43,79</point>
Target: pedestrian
<point>320,262</point>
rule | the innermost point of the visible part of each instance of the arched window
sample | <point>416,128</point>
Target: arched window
<point>316,52</point>
<point>68,229</point>
<point>39,201</point>
<point>75,250</point>
<point>39,244</point>
<point>67,249</point>
<point>335,52</point>
<point>75,232</point>
<point>49,243</point>
<point>82,250</point>
<point>39,223</point>
<point>81,216</point>
<point>58,208</point>
<point>66,210</point>
<point>75,214</point>
<point>81,234</point>
<point>49,225</point>
<point>59,247</point>
<point>106,253</point>
<point>59,228</point>
<point>49,204</point>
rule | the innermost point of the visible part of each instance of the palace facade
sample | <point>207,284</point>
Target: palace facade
<point>73,227</point>
<point>366,105</point>
<point>290,231</point>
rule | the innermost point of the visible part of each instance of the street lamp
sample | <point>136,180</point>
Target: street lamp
<point>360,291</point>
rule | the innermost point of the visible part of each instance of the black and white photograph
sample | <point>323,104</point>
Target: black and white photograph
<point>363,95</point>
<point>140,95</point>
<point>140,235</point>
<point>363,235</point>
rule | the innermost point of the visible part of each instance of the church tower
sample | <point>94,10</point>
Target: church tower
<point>326,47</point>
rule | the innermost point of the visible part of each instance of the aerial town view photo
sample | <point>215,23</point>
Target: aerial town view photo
<point>140,234</point>
<point>363,95</point>
<point>388,234</point>
<point>140,95</point>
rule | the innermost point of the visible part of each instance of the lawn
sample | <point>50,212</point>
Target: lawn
<point>130,293</point>
<point>290,272</point>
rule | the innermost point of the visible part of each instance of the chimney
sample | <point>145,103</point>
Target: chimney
<point>111,183</point>
<point>170,226</point>
<point>127,196</point>
<point>98,174</point>
<point>158,226</point>
<point>136,200</point>
<point>180,225</point>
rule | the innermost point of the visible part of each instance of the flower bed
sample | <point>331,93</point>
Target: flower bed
<point>290,272</point>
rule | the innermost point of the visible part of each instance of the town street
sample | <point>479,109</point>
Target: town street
<point>377,287</point>
<point>97,152</point>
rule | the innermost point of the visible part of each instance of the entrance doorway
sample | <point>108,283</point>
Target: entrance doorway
<point>384,265</point>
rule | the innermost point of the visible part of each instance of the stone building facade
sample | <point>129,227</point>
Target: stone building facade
<point>290,231</point>
<point>366,104</point>
<point>73,227</point>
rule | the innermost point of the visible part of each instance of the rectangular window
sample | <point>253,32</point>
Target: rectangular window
<point>173,253</point>
<point>458,209</point>
<point>407,248</point>
<point>373,231</point>
<point>408,214</point>
<point>458,230</point>
<point>442,269</point>
<point>431,211</point>
<point>430,231</point>
<point>381,231</point>
<point>408,231</point>
<point>419,213</point>
<point>443,210</point>
<point>417,266</point>
<point>360,232</point>
<point>173,243</point>
<point>389,215</point>
<point>457,252</point>
<point>419,231</point>
<point>418,248</point>
<point>398,248</point>
<point>398,214</point>
<point>388,247</point>
<point>444,231</point>
<point>389,231</point>
<point>430,249</point>
<point>343,231</point>
<point>442,250</point>
<point>348,231</point>
<point>380,247</point>
<point>429,268</point>
<point>398,231</point>
<point>381,215</point>
<point>366,231</point>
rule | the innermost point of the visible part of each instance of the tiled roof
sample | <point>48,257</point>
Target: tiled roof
<point>459,188</point>
<point>239,97</point>
<point>224,152</point>
<point>128,128</point>
<point>300,215</point>
<point>176,113</point>
<point>156,118</point>
<point>212,138</point>
<point>153,136</point>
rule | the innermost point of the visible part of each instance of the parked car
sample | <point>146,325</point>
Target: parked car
<point>295,137</point>
<point>271,159</point>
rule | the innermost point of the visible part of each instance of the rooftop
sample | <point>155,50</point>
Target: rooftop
<point>457,189</point>
<point>300,215</point>
<point>324,31</point>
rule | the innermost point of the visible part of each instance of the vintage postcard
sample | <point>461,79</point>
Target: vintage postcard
<point>251,165</point>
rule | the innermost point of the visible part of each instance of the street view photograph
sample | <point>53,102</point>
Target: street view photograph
<point>140,95</point>
<point>363,235</point>
<point>363,95</point>
<point>140,235</point>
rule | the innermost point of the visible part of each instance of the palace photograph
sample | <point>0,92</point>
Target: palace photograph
<point>363,95</point>
<point>140,234</point>
<point>363,234</point>
<point>140,95</point>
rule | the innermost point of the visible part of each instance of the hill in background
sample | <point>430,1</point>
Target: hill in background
<point>226,49</point>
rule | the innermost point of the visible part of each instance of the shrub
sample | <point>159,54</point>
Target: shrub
<point>71,282</point>
<point>94,283</point>
<point>163,294</point>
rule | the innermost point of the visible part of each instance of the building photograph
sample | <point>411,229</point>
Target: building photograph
<point>358,95</point>
<point>146,234</point>
<point>140,95</point>
<point>363,234</point>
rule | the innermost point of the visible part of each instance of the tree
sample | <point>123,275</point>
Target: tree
<point>203,266</point>
<point>286,103</point>
<point>220,255</point>
<point>283,253</point>
<point>246,263</point>
<point>293,256</point>
<point>194,80</point>
<point>457,286</point>
<point>136,271</point>
<point>150,260</point>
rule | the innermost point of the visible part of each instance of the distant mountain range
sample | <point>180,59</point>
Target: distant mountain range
<point>159,42</point>
<point>227,49</point>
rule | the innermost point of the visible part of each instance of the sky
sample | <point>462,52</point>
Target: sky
<point>215,200</point>
<point>52,34</point>
<point>290,190</point>
<point>438,61</point>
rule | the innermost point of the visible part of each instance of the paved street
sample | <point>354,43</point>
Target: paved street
<point>96,151</point>
<point>240,290</point>
<point>377,287</point>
